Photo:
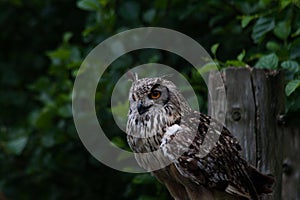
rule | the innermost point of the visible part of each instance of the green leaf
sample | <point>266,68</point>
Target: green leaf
<point>89,5</point>
<point>118,141</point>
<point>143,179</point>
<point>103,2</point>
<point>241,56</point>
<point>268,62</point>
<point>67,36</point>
<point>273,46</point>
<point>16,146</point>
<point>45,117</point>
<point>282,30</point>
<point>246,19</point>
<point>214,48</point>
<point>124,155</point>
<point>297,33</point>
<point>284,3</point>
<point>130,10</point>
<point>235,63</point>
<point>65,111</point>
<point>292,86</point>
<point>149,15</point>
<point>290,65</point>
<point>120,111</point>
<point>48,140</point>
<point>208,67</point>
<point>262,26</point>
<point>295,49</point>
<point>296,2</point>
<point>60,53</point>
<point>265,3</point>
<point>293,104</point>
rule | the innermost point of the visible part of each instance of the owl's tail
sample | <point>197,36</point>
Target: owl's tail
<point>262,183</point>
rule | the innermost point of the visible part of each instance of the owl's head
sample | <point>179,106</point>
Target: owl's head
<point>155,103</point>
<point>156,95</point>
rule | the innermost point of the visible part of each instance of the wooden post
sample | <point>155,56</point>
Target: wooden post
<point>291,164</point>
<point>255,102</point>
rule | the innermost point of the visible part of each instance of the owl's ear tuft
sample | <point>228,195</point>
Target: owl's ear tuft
<point>132,76</point>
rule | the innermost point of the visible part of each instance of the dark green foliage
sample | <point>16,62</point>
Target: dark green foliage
<point>42,46</point>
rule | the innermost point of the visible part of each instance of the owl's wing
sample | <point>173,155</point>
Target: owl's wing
<point>205,152</point>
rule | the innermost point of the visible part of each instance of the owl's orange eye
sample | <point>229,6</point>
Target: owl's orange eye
<point>154,94</point>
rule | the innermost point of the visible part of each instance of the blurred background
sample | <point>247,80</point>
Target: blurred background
<point>43,44</point>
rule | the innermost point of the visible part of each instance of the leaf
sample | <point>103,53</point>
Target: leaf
<point>282,30</point>
<point>67,36</point>
<point>103,2</point>
<point>296,2</point>
<point>290,65</point>
<point>297,33</point>
<point>65,111</point>
<point>214,48</point>
<point>265,3</point>
<point>143,179</point>
<point>48,140</point>
<point>41,84</point>
<point>293,104</point>
<point>284,3</point>
<point>268,62</point>
<point>207,67</point>
<point>295,49</point>
<point>149,15</point>
<point>262,26</point>
<point>124,155</point>
<point>130,10</point>
<point>235,63</point>
<point>292,86</point>
<point>89,5</point>
<point>16,146</point>
<point>273,46</point>
<point>60,53</point>
<point>241,56</point>
<point>118,141</point>
<point>45,117</point>
<point>246,19</point>
<point>120,111</point>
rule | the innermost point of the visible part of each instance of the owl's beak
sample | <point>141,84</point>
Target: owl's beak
<point>142,109</point>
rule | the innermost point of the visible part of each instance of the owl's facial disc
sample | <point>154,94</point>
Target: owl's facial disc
<point>156,98</point>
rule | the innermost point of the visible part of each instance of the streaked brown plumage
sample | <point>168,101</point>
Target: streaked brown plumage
<point>160,119</point>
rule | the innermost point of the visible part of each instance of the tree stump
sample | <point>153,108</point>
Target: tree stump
<point>291,164</point>
<point>255,104</point>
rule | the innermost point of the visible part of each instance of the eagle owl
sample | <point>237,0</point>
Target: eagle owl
<point>158,116</point>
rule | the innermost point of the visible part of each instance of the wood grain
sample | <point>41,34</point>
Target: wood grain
<point>254,103</point>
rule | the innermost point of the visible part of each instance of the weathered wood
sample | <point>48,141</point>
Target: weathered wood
<point>291,164</point>
<point>255,100</point>
<point>269,99</point>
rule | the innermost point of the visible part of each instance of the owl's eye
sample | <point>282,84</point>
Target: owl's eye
<point>154,94</point>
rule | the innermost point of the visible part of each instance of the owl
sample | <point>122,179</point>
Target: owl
<point>161,120</point>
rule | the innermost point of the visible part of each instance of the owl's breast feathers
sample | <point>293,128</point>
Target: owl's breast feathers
<point>211,157</point>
